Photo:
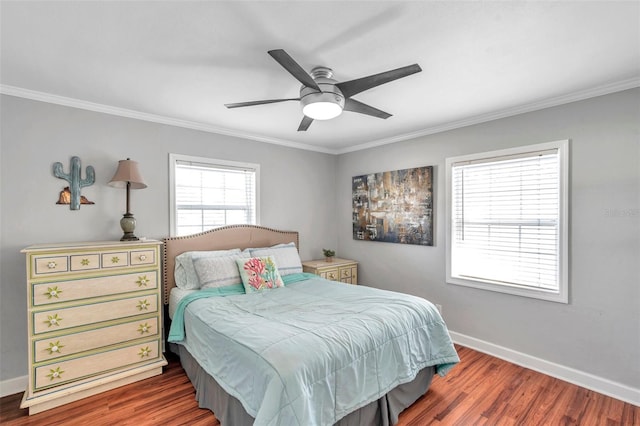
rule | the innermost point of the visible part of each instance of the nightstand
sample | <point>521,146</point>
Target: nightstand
<point>343,270</point>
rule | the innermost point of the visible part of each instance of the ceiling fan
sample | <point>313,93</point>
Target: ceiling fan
<point>322,97</point>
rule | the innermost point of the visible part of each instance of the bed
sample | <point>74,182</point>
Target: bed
<point>295,349</point>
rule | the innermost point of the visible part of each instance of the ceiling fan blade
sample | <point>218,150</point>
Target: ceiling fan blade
<point>357,106</point>
<point>294,69</point>
<point>353,87</point>
<point>252,103</point>
<point>305,123</point>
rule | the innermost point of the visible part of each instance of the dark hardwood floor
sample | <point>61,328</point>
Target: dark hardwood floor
<point>481,390</point>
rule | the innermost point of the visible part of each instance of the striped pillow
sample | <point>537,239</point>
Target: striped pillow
<point>285,255</point>
<point>185,274</point>
<point>218,271</point>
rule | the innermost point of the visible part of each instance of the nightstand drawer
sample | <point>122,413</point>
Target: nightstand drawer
<point>93,313</point>
<point>65,291</point>
<point>70,344</point>
<point>349,275</point>
<point>345,273</point>
<point>59,373</point>
<point>330,274</point>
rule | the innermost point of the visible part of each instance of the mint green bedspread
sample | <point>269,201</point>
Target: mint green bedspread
<point>313,351</point>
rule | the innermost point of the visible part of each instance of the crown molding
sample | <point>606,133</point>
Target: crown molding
<point>137,115</point>
<point>509,112</point>
<point>606,89</point>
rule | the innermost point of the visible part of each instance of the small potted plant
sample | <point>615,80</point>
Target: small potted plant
<point>328,254</point>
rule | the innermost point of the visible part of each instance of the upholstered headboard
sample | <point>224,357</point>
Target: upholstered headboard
<point>224,238</point>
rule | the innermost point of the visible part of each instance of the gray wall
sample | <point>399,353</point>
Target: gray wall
<point>297,191</point>
<point>598,332</point>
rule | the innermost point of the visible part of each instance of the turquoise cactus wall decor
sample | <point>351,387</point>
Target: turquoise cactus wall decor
<point>75,182</point>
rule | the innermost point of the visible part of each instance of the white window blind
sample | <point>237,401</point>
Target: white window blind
<point>212,194</point>
<point>506,221</point>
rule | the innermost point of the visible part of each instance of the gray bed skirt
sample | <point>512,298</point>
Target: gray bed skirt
<point>229,411</point>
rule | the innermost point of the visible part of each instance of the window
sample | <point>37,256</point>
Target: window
<point>207,194</point>
<point>507,221</point>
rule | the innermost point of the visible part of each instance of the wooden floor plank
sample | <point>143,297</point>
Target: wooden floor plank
<point>481,390</point>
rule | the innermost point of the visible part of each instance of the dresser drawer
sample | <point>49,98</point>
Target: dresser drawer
<point>69,344</point>
<point>50,265</point>
<point>143,257</point>
<point>84,262</point>
<point>115,259</point>
<point>59,373</point>
<point>65,291</point>
<point>93,313</point>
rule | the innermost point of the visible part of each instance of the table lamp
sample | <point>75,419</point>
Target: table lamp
<point>128,176</point>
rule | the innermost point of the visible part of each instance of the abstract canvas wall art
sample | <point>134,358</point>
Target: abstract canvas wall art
<point>394,206</point>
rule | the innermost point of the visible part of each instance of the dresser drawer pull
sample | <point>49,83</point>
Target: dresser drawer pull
<point>143,305</point>
<point>346,274</point>
<point>144,352</point>
<point>54,347</point>
<point>53,292</point>
<point>142,257</point>
<point>142,281</point>
<point>331,276</point>
<point>52,265</point>
<point>55,373</point>
<point>53,320</point>
<point>115,259</point>
<point>144,328</point>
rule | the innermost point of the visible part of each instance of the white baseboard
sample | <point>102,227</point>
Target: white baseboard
<point>586,380</point>
<point>15,385</point>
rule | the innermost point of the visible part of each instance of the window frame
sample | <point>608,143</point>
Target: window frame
<point>173,160</point>
<point>562,294</point>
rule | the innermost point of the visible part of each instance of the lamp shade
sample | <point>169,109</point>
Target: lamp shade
<point>127,172</point>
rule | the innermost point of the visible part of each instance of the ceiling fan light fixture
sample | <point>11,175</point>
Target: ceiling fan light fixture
<point>322,110</point>
<point>322,106</point>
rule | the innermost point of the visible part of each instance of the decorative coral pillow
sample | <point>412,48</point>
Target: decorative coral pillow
<point>259,273</point>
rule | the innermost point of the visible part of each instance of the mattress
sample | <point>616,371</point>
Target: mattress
<point>176,295</point>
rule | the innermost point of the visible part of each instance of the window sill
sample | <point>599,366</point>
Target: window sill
<point>548,295</point>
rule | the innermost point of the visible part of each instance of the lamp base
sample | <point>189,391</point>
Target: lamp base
<point>128,225</point>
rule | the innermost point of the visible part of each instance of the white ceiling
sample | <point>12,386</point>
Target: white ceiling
<point>179,62</point>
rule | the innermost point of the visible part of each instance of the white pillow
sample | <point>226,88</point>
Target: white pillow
<point>218,271</point>
<point>185,274</point>
<point>286,257</point>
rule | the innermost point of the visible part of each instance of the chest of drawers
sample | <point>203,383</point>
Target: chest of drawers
<point>94,319</point>
<point>343,270</point>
